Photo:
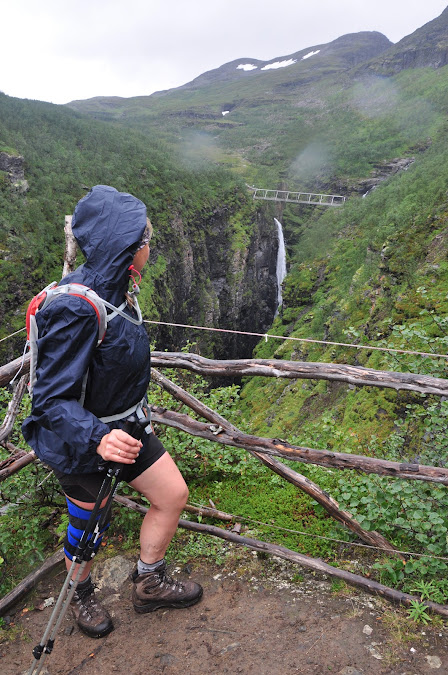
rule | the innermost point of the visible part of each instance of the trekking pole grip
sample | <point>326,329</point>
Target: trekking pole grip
<point>135,426</point>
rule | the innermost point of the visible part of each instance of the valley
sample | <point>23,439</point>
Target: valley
<point>362,283</point>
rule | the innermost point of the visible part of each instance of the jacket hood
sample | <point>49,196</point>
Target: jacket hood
<point>108,226</point>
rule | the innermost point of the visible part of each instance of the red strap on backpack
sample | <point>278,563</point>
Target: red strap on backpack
<point>34,305</point>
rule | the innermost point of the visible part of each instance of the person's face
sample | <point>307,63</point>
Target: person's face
<point>141,258</point>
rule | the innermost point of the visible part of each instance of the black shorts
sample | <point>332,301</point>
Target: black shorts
<point>86,486</point>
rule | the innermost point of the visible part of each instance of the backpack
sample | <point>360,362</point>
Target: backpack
<point>52,291</point>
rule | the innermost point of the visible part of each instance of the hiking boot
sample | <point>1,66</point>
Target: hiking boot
<point>92,618</point>
<point>157,589</point>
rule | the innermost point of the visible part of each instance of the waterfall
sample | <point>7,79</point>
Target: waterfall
<point>369,191</point>
<point>281,262</point>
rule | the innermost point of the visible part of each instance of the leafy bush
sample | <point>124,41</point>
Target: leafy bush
<point>198,458</point>
<point>411,514</point>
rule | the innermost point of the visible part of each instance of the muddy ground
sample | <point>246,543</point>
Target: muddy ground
<point>256,616</point>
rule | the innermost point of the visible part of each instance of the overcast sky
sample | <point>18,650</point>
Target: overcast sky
<point>60,51</point>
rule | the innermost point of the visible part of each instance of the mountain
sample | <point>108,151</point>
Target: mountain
<point>214,253</point>
<point>367,282</point>
<point>289,125</point>
<point>344,52</point>
<point>427,47</point>
<point>238,85</point>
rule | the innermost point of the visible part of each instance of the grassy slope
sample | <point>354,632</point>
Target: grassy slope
<point>64,152</point>
<point>371,272</point>
<point>378,262</point>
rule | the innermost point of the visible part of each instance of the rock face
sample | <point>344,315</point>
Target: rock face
<point>381,172</point>
<point>427,47</point>
<point>217,277</point>
<point>13,165</point>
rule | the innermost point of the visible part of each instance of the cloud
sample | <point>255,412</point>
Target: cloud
<point>62,51</point>
<point>375,96</point>
<point>311,162</point>
<point>197,149</point>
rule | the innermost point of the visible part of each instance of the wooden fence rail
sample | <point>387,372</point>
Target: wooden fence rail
<point>278,448</point>
<point>220,430</point>
<point>355,375</point>
<point>336,372</point>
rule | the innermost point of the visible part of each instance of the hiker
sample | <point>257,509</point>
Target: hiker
<point>75,439</point>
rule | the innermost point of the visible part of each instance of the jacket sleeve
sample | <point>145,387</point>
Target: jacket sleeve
<point>63,433</point>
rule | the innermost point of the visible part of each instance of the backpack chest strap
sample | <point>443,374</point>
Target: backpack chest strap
<point>141,409</point>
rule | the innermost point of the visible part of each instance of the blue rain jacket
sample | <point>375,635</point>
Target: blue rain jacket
<point>108,226</point>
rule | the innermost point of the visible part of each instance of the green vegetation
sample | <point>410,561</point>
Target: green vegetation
<point>8,150</point>
<point>64,153</point>
<point>27,530</point>
<point>371,273</point>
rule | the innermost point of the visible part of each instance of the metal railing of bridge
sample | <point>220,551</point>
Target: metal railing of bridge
<point>297,197</point>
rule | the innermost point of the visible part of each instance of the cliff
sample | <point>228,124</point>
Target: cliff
<point>219,272</point>
<point>13,166</point>
<point>427,47</point>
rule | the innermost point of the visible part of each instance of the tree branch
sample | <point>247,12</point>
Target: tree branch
<point>13,408</point>
<point>70,248</point>
<point>12,465</point>
<point>222,428</point>
<point>314,564</point>
<point>424,384</point>
<point>10,369</point>
<point>30,581</point>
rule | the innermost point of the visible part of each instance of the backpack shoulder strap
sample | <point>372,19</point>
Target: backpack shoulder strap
<point>42,300</point>
<point>52,291</point>
<point>81,291</point>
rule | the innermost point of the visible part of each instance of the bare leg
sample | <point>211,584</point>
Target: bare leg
<point>162,484</point>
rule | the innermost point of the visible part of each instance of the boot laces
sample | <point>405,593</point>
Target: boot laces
<point>87,602</point>
<point>168,582</point>
<point>83,593</point>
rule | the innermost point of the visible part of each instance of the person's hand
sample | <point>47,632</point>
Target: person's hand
<point>118,446</point>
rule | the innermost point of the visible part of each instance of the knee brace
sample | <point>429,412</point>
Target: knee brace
<point>77,523</point>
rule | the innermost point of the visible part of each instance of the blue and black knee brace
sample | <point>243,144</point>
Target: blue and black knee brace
<point>77,523</point>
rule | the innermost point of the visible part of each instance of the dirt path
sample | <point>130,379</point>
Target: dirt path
<point>252,619</point>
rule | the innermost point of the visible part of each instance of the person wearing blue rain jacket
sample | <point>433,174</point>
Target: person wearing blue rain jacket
<point>74,438</point>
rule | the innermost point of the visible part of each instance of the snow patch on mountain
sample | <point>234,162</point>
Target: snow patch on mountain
<point>271,66</point>
<point>307,56</point>
<point>246,66</point>
<point>279,64</point>
<point>276,64</point>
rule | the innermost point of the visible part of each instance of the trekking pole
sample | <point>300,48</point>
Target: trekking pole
<point>85,551</point>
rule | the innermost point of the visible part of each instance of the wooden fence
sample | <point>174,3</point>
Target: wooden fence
<point>219,430</point>
<point>266,450</point>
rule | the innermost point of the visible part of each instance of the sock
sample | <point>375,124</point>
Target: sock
<point>82,584</point>
<point>144,568</point>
